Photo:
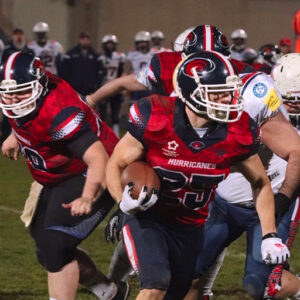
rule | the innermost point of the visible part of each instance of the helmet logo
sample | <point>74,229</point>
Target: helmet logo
<point>37,67</point>
<point>190,40</point>
<point>222,41</point>
<point>200,66</point>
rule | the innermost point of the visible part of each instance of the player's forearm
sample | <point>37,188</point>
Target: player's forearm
<point>113,179</point>
<point>96,159</point>
<point>291,184</point>
<point>115,87</point>
<point>265,208</point>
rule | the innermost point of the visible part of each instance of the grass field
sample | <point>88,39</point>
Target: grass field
<point>21,277</point>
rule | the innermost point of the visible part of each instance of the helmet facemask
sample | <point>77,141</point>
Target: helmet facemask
<point>24,107</point>
<point>219,112</point>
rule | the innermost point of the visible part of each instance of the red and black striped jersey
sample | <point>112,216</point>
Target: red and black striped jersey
<point>55,137</point>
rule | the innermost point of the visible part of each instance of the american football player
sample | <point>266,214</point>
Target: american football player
<point>113,61</point>
<point>239,40</point>
<point>191,141</point>
<point>157,38</point>
<point>49,51</point>
<point>66,146</point>
<point>233,211</point>
<point>267,57</point>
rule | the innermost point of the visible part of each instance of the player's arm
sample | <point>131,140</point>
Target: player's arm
<point>10,147</point>
<point>95,157</point>
<point>116,86</point>
<point>254,171</point>
<point>282,138</point>
<point>128,150</point>
<point>272,249</point>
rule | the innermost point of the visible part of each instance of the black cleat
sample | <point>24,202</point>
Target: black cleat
<point>123,291</point>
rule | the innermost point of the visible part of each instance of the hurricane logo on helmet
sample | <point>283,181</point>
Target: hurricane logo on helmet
<point>190,40</point>
<point>199,66</point>
<point>37,65</point>
<point>222,41</point>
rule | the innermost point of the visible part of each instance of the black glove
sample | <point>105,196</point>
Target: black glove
<point>114,226</point>
<point>282,205</point>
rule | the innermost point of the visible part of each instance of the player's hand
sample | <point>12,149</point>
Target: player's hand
<point>80,206</point>
<point>273,251</point>
<point>10,147</point>
<point>128,205</point>
<point>282,205</point>
<point>113,228</point>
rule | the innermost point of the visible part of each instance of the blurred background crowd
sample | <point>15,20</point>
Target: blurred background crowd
<point>87,67</point>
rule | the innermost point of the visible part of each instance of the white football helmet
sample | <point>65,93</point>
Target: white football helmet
<point>142,36</point>
<point>41,27</point>
<point>286,76</point>
<point>179,41</point>
<point>239,34</point>
<point>110,38</point>
<point>156,34</point>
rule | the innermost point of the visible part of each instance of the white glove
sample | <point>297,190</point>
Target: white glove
<point>273,251</point>
<point>128,205</point>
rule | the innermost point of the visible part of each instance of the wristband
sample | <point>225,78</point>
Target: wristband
<point>270,235</point>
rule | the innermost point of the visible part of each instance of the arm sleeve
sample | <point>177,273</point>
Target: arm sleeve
<point>70,128</point>
<point>138,118</point>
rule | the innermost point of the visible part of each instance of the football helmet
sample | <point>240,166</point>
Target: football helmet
<point>268,54</point>
<point>142,36</point>
<point>156,34</point>
<point>41,27</point>
<point>206,72</point>
<point>179,41</point>
<point>286,76</point>
<point>239,34</point>
<point>110,38</point>
<point>206,38</point>
<point>21,73</point>
<point>41,30</point>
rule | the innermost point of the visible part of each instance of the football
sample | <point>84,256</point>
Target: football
<point>140,173</point>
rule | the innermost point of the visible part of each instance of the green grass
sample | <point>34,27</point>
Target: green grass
<point>21,277</point>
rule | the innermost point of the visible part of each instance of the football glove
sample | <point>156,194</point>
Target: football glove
<point>128,205</point>
<point>273,251</point>
<point>113,228</point>
<point>282,205</point>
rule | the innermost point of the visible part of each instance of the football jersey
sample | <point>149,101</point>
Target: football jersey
<point>156,50</point>
<point>112,64</point>
<point>139,60</point>
<point>261,103</point>
<point>47,53</point>
<point>158,75</point>
<point>189,167</point>
<point>46,138</point>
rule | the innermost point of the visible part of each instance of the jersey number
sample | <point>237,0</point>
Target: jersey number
<point>35,159</point>
<point>201,187</point>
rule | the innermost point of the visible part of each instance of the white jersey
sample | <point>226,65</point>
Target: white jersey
<point>112,64</point>
<point>48,53</point>
<point>261,103</point>
<point>139,60</point>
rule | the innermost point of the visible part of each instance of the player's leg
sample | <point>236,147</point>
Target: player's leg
<point>221,229</point>
<point>147,250</point>
<point>115,107</point>
<point>57,233</point>
<point>119,267</point>
<point>273,281</point>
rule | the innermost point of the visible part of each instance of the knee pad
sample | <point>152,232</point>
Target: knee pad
<point>55,250</point>
<point>254,286</point>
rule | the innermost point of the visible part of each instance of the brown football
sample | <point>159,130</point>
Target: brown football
<point>140,173</point>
